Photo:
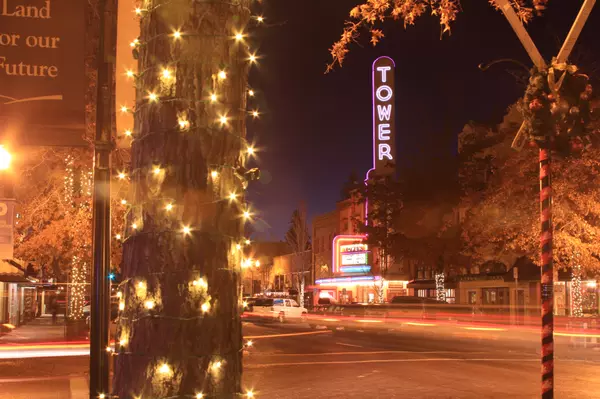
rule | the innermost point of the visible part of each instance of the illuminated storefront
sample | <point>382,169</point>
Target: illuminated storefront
<point>352,280</point>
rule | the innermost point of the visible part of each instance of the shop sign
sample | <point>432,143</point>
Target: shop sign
<point>42,72</point>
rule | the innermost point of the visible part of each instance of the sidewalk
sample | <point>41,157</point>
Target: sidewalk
<point>40,329</point>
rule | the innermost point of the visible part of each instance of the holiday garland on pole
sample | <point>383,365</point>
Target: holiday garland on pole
<point>556,108</point>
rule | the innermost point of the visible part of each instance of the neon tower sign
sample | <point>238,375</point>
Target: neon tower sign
<point>384,107</point>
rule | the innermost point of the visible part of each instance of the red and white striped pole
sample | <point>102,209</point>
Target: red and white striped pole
<point>547,286</point>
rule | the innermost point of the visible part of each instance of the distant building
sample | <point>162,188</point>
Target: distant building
<point>324,228</point>
<point>260,255</point>
<point>288,272</point>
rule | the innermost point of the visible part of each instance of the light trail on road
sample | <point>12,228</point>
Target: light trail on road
<point>296,334</point>
<point>354,361</point>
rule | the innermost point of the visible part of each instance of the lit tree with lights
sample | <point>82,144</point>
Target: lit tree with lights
<point>180,332</point>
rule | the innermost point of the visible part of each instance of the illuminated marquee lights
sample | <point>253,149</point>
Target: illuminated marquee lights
<point>354,259</point>
<point>343,241</point>
<point>354,248</point>
<point>362,269</point>
<point>339,280</point>
<point>383,116</point>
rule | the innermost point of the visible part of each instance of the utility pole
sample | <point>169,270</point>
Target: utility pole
<point>100,313</point>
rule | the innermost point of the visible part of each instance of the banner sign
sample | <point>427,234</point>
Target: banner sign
<point>7,207</point>
<point>384,107</point>
<point>42,72</point>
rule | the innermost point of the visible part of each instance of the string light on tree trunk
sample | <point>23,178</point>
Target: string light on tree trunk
<point>152,97</point>
<point>576,289</point>
<point>239,36</point>
<point>218,173</point>
<point>166,74</point>
<point>184,124</point>
<point>216,366</point>
<point>164,369</point>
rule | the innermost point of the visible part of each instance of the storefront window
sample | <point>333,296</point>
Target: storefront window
<point>472,297</point>
<point>495,296</point>
<point>279,283</point>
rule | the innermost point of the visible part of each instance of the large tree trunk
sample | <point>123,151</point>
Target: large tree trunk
<point>158,254</point>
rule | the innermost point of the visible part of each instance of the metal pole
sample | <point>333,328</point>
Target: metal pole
<point>547,280</point>
<point>99,357</point>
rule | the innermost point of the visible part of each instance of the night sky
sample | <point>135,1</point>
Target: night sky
<point>317,127</point>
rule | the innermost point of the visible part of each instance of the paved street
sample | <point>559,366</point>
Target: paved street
<point>292,361</point>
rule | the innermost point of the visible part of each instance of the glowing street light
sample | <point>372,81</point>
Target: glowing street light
<point>5,158</point>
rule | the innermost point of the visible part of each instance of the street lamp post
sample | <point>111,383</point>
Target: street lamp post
<point>100,314</point>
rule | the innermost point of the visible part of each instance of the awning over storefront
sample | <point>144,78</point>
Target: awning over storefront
<point>421,284</point>
<point>429,284</point>
<point>13,278</point>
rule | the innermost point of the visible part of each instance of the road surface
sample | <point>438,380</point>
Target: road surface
<point>293,361</point>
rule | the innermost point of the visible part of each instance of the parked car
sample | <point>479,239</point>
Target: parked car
<point>280,309</point>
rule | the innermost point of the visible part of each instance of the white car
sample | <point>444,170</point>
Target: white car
<point>280,309</point>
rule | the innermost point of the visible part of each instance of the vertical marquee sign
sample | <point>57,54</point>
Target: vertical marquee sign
<point>42,72</point>
<point>384,107</point>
